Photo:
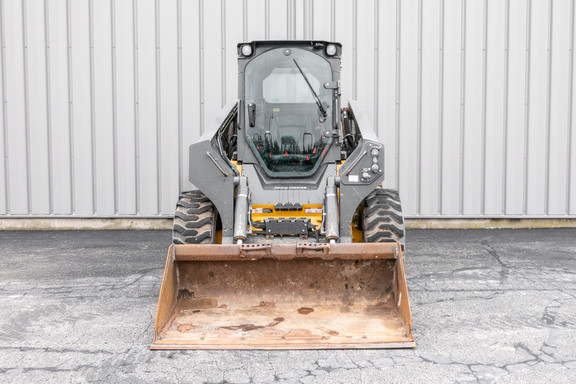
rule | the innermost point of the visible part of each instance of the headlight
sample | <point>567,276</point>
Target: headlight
<point>246,49</point>
<point>331,50</point>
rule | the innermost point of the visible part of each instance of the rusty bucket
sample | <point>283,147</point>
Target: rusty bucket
<point>283,296</point>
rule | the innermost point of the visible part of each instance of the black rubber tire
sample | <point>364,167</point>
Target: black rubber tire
<point>382,218</point>
<point>194,219</point>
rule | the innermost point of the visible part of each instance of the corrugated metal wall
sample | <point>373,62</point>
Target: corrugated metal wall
<point>101,98</point>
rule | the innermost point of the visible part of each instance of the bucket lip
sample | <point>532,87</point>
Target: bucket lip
<point>279,251</point>
<point>171,344</point>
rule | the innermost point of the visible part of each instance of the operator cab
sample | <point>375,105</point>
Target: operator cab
<point>289,110</point>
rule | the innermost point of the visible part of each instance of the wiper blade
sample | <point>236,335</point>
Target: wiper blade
<point>316,98</point>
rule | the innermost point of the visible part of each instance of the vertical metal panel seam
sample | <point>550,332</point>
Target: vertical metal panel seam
<point>223,51</point>
<point>180,109</point>
<point>288,19</point>
<point>441,110</point>
<point>48,109</point>
<point>484,106</point>
<point>355,49</point>
<point>294,20</point>
<point>201,57</point>
<point>26,109</point>
<point>505,130</point>
<point>114,104</point>
<point>266,19</point>
<point>311,19</point>
<point>244,19</point>
<point>70,107</point>
<point>308,18</point>
<point>548,109</point>
<point>4,109</point>
<point>419,115</point>
<point>527,104</point>
<point>333,20</point>
<point>158,109</point>
<point>462,105</point>
<point>570,112</point>
<point>136,105</point>
<point>376,65</point>
<point>305,19</point>
<point>92,109</point>
<point>397,96</point>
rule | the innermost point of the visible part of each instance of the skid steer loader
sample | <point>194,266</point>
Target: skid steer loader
<point>289,242</point>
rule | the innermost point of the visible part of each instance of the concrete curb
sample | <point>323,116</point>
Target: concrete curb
<point>50,224</point>
<point>41,224</point>
<point>489,223</point>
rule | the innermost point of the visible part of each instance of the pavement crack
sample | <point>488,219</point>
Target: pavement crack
<point>492,252</point>
<point>58,350</point>
<point>504,268</point>
<point>537,358</point>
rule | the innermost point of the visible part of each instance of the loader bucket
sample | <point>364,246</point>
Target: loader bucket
<point>283,296</point>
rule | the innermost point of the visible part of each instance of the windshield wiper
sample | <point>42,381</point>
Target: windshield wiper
<point>316,98</point>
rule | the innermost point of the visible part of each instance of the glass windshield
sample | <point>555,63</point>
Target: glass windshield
<point>288,110</point>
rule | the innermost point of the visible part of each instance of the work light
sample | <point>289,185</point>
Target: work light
<point>246,49</point>
<point>331,50</point>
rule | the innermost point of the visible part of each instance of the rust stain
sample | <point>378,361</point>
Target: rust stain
<point>331,332</point>
<point>276,321</point>
<point>252,327</point>
<point>198,302</point>
<point>379,308</point>
<point>187,327</point>
<point>173,317</point>
<point>242,327</point>
<point>305,310</point>
<point>185,293</point>
<point>267,304</point>
<point>223,306</point>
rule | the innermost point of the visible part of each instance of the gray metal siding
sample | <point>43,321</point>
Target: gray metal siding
<point>474,100</point>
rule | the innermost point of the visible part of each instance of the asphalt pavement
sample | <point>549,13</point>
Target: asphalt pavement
<point>487,306</point>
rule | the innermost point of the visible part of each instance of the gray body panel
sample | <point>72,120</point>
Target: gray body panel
<point>206,176</point>
<point>354,188</point>
<point>212,173</point>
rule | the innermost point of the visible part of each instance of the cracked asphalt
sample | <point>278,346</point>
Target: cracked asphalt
<point>487,306</point>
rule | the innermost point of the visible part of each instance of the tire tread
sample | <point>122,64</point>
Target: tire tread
<point>383,220</point>
<point>194,219</point>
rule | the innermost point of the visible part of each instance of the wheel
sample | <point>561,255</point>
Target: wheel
<point>194,219</point>
<point>382,218</point>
